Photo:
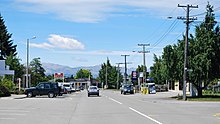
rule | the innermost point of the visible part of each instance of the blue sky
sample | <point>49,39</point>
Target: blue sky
<point>85,32</point>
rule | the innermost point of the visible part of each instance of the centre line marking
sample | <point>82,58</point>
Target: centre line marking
<point>115,101</point>
<point>145,116</point>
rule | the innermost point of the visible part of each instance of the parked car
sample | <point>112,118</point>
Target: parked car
<point>127,88</point>
<point>68,87</point>
<point>93,90</point>
<point>43,88</point>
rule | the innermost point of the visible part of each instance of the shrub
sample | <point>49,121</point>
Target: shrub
<point>7,83</point>
<point>4,91</point>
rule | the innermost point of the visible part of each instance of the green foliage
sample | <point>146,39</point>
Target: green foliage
<point>6,44</point>
<point>203,57</point>
<point>157,71</point>
<point>14,64</point>
<point>83,74</point>
<point>37,72</point>
<point>112,74</point>
<point>4,91</point>
<point>205,48</point>
<point>6,86</point>
<point>7,82</point>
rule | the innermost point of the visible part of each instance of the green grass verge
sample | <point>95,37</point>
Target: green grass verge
<point>205,98</point>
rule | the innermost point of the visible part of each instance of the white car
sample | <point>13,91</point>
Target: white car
<point>93,90</point>
<point>68,87</point>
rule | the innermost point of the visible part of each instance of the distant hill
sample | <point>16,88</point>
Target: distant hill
<point>68,71</point>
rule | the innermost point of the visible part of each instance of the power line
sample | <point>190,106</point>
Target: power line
<point>171,28</point>
<point>159,27</point>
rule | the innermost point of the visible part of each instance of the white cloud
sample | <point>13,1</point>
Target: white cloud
<point>98,10</point>
<point>57,41</point>
<point>42,45</point>
<point>99,53</point>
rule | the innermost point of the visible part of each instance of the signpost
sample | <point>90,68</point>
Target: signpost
<point>58,76</point>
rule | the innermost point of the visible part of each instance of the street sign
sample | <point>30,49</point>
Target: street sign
<point>134,75</point>
<point>58,75</point>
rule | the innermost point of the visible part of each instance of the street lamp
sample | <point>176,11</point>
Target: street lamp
<point>27,75</point>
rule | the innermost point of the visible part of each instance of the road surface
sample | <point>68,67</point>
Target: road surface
<point>110,107</point>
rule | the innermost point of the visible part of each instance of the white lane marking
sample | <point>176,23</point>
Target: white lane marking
<point>6,110</point>
<point>115,101</point>
<point>145,116</point>
<point>7,118</point>
<point>19,114</point>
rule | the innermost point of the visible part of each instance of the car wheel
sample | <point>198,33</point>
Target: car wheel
<point>97,94</point>
<point>29,94</point>
<point>50,94</point>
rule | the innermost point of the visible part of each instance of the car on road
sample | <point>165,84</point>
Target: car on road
<point>93,90</point>
<point>43,88</point>
<point>127,88</point>
<point>68,87</point>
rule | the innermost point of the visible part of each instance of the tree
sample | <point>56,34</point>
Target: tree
<point>205,58</point>
<point>14,63</point>
<point>37,72</point>
<point>140,69</point>
<point>83,74</point>
<point>169,66</point>
<point>6,44</point>
<point>112,74</point>
<point>157,71</point>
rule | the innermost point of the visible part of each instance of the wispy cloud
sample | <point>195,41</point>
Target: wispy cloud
<point>57,41</point>
<point>97,52</point>
<point>97,10</point>
<point>80,59</point>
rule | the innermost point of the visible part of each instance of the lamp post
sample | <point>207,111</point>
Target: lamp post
<point>27,75</point>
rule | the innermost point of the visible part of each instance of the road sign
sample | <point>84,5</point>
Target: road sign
<point>134,75</point>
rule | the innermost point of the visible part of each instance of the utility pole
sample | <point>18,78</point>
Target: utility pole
<point>187,18</point>
<point>106,74</point>
<point>144,52</point>
<point>118,69</point>
<point>125,74</point>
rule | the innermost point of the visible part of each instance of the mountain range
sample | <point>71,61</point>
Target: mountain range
<point>68,71</point>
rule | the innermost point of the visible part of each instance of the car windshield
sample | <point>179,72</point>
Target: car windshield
<point>93,88</point>
<point>127,86</point>
<point>66,85</point>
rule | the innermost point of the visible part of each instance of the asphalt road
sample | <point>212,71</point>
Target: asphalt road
<point>110,108</point>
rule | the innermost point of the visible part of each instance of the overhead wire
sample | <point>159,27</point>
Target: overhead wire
<point>156,29</point>
<point>171,28</point>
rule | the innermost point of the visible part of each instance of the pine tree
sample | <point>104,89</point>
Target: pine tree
<point>6,44</point>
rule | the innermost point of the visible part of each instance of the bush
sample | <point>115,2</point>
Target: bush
<point>4,91</point>
<point>16,91</point>
<point>6,85</point>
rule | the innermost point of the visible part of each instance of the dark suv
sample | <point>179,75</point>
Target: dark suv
<point>127,88</point>
<point>44,88</point>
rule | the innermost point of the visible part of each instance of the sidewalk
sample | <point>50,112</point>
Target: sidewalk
<point>14,96</point>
